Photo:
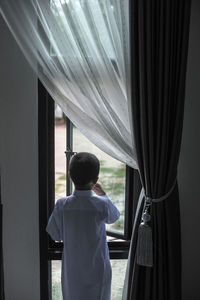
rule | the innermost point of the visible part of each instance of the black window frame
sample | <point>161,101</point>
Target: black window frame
<point>49,249</point>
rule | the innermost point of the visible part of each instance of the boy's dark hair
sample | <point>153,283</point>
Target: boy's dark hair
<point>84,168</point>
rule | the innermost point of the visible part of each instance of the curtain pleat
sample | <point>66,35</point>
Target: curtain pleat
<point>159,45</point>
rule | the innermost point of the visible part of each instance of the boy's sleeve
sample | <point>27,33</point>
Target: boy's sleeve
<point>54,226</point>
<point>111,213</point>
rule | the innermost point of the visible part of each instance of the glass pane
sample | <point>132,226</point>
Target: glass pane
<point>111,177</point>
<point>56,280</point>
<point>60,148</point>
<point>118,276</point>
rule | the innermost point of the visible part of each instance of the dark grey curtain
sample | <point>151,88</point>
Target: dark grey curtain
<point>159,45</point>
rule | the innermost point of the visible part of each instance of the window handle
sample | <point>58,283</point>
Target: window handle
<point>69,153</point>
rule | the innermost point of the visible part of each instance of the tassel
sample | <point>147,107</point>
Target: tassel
<point>144,252</point>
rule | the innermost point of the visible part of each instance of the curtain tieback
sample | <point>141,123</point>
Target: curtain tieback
<point>160,199</point>
<point>144,251</point>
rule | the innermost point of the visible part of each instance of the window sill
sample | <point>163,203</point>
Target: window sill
<point>117,250</point>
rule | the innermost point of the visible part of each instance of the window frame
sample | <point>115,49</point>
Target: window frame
<point>49,249</point>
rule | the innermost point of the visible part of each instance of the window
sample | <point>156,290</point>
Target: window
<point>54,183</point>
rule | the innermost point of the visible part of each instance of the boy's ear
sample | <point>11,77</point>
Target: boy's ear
<point>69,175</point>
<point>95,180</point>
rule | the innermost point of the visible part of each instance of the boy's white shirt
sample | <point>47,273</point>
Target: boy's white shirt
<point>79,221</point>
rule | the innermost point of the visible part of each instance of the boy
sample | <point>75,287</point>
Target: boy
<point>79,221</point>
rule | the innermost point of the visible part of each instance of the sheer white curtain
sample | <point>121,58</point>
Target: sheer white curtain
<point>80,51</point>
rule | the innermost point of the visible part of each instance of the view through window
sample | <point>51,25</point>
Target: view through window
<point>112,172</point>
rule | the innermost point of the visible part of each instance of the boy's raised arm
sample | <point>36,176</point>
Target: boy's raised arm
<point>112,214</point>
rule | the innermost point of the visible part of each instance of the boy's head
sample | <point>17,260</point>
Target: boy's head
<point>84,169</point>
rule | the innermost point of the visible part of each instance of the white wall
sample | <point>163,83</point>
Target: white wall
<point>19,163</point>
<point>189,167</point>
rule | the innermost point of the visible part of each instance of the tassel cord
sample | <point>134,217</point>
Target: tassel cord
<point>144,251</point>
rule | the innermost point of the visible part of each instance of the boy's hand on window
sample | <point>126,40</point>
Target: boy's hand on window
<point>98,189</point>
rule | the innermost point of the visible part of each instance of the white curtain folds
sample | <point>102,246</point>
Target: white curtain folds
<point>80,52</point>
